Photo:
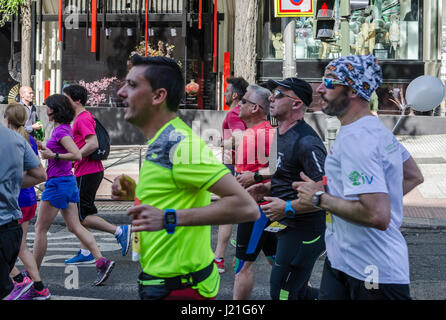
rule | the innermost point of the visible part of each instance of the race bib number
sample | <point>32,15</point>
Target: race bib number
<point>275,227</point>
<point>328,217</point>
<point>329,221</point>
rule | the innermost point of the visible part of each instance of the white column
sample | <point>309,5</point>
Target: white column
<point>289,39</point>
<point>58,67</point>
<point>53,57</point>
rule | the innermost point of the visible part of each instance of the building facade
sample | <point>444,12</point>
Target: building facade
<point>405,35</point>
<point>91,41</point>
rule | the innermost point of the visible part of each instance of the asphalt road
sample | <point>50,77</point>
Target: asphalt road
<point>427,253</point>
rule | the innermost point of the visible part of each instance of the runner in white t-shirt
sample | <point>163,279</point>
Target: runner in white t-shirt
<point>368,172</point>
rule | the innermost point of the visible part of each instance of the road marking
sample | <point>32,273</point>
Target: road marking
<point>71,298</point>
<point>61,243</point>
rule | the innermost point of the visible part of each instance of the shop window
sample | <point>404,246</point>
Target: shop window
<point>389,29</point>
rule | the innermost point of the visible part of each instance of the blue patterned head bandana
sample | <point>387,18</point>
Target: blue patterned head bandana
<point>361,73</point>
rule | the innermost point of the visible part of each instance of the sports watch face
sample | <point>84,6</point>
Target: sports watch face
<point>170,218</point>
<point>315,200</point>
<point>257,177</point>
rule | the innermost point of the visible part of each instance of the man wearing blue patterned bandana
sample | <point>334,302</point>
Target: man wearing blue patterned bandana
<point>368,172</point>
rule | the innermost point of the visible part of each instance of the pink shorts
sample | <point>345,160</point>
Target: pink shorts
<point>28,213</point>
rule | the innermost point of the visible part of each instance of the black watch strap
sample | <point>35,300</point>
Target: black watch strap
<point>258,177</point>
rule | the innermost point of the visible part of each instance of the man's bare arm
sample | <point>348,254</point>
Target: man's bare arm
<point>91,145</point>
<point>412,175</point>
<point>234,206</point>
<point>371,210</point>
<point>33,177</point>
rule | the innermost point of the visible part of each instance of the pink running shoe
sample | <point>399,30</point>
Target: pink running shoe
<point>103,269</point>
<point>33,294</point>
<point>20,289</point>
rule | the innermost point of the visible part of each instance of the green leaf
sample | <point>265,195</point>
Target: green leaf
<point>8,8</point>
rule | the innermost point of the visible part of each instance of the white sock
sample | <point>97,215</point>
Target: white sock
<point>118,231</point>
<point>85,252</point>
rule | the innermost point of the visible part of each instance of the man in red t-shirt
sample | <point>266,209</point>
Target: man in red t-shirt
<point>89,174</point>
<point>252,156</point>
<point>232,130</point>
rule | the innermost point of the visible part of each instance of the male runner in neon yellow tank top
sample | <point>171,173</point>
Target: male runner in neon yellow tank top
<point>174,186</point>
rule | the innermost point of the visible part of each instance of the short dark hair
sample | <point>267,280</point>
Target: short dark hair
<point>77,93</point>
<point>163,73</point>
<point>239,85</point>
<point>61,108</point>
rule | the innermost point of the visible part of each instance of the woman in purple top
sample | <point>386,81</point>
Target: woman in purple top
<point>61,191</point>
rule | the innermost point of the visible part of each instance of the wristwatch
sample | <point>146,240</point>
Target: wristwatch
<point>56,157</point>
<point>170,220</point>
<point>289,211</point>
<point>316,199</point>
<point>258,177</point>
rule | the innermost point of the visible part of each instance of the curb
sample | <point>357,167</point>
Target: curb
<point>423,223</point>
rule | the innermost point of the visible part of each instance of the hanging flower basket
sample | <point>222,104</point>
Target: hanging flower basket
<point>192,88</point>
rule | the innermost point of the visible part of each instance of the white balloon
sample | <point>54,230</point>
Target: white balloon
<point>425,93</point>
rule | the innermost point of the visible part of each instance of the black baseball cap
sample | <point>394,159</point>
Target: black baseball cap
<point>300,87</point>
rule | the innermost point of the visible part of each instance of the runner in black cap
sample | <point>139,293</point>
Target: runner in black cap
<point>301,229</point>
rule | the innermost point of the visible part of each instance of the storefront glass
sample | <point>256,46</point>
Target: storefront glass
<point>390,29</point>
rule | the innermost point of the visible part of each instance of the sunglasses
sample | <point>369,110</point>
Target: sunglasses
<point>329,83</point>
<point>279,94</point>
<point>243,100</point>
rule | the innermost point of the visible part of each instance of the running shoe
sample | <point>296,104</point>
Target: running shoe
<point>33,294</point>
<point>103,269</point>
<point>124,239</point>
<point>80,259</point>
<point>20,289</point>
<point>233,243</point>
<point>220,265</point>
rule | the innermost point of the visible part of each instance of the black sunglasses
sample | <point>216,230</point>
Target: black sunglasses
<point>243,100</point>
<point>279,94</point>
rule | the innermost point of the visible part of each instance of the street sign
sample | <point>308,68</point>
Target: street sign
<point>325,20</point>
<point>293,8</point>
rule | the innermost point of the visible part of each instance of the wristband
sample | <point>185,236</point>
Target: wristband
<point>170,220</point>
<point>289,211</point>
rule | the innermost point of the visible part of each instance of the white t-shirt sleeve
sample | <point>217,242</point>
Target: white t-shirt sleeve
<point>405,155</point>
<point>362,167</point>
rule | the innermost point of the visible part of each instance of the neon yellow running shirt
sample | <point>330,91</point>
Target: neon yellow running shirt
<point>177,171</point>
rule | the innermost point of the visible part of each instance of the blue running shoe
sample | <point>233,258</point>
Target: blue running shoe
<point>80,259</point>
<point>124,239</point>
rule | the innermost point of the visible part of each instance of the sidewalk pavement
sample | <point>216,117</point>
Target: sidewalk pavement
<point>424,207</point>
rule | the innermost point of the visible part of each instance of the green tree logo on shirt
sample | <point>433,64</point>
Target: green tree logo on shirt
<point>359,179</point>
<point>355,178</point>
